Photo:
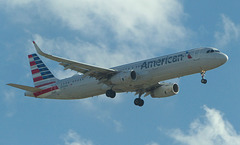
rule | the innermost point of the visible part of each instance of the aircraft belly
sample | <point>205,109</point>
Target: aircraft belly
<point>82,91</point>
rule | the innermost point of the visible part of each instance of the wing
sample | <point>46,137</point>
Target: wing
<point>88,70</point>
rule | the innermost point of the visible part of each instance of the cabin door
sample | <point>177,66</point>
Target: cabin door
<point>196,55</point>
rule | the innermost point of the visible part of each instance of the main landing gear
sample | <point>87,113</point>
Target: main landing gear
<point>204,81</point>
<point>110,93</point>
<point>138,101</point>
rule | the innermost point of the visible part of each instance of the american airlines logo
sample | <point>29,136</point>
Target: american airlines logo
<point>188,55</point>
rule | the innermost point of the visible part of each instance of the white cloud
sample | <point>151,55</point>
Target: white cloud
<point>230,33</point>
<point>118,126</point>
<point>156,23</point>
<point>211,130</point>
<point>73,138</point>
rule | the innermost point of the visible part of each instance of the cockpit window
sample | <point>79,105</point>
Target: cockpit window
<point>211,51</point>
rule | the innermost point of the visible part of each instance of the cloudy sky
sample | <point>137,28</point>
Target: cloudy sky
<point>108,33</point>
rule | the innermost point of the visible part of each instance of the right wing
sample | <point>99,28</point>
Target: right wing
<point>88,70</point>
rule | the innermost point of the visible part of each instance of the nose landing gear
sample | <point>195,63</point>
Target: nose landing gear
<point>204,81</point>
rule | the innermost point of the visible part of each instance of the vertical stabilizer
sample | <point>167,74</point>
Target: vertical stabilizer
<point>42,77</point>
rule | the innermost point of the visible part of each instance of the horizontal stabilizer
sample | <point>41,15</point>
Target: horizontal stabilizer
<point>26,88</point>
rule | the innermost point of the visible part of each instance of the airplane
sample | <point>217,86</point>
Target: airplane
<point>143,77</point>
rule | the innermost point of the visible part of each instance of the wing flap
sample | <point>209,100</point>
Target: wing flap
<point>26,88</point>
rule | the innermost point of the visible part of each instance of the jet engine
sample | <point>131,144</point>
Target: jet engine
<point>165,90</point>
<point>124,77</point>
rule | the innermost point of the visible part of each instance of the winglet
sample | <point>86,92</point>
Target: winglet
<point>39,51</point>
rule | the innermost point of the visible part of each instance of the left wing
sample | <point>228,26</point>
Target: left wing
<point>88,70</point>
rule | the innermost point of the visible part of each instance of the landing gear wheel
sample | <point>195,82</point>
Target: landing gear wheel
<point>139,102</point>
<point>204,81</point>
<point>111,93</point>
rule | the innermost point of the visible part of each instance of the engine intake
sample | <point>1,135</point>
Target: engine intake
<point>124,77</point>
<point>165,90</point>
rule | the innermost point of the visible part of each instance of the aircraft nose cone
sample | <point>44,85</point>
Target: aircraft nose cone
<point>223,58</point>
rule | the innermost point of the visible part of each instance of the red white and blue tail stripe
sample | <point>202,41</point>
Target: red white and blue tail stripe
<point>42,77</point>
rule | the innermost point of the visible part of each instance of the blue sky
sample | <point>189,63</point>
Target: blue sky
<point>108,33</point>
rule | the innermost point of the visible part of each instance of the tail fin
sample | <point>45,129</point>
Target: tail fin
<point>42,77</point>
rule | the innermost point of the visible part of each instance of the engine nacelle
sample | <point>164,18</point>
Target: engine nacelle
<point>124,77</point>
<point>165,90</point>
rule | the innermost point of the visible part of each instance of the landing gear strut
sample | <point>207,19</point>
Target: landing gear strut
<point>204,81</point>
<point>110,93</point>
<point>138,101</point>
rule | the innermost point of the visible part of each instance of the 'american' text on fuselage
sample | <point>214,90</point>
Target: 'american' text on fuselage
<point>162,61</point>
